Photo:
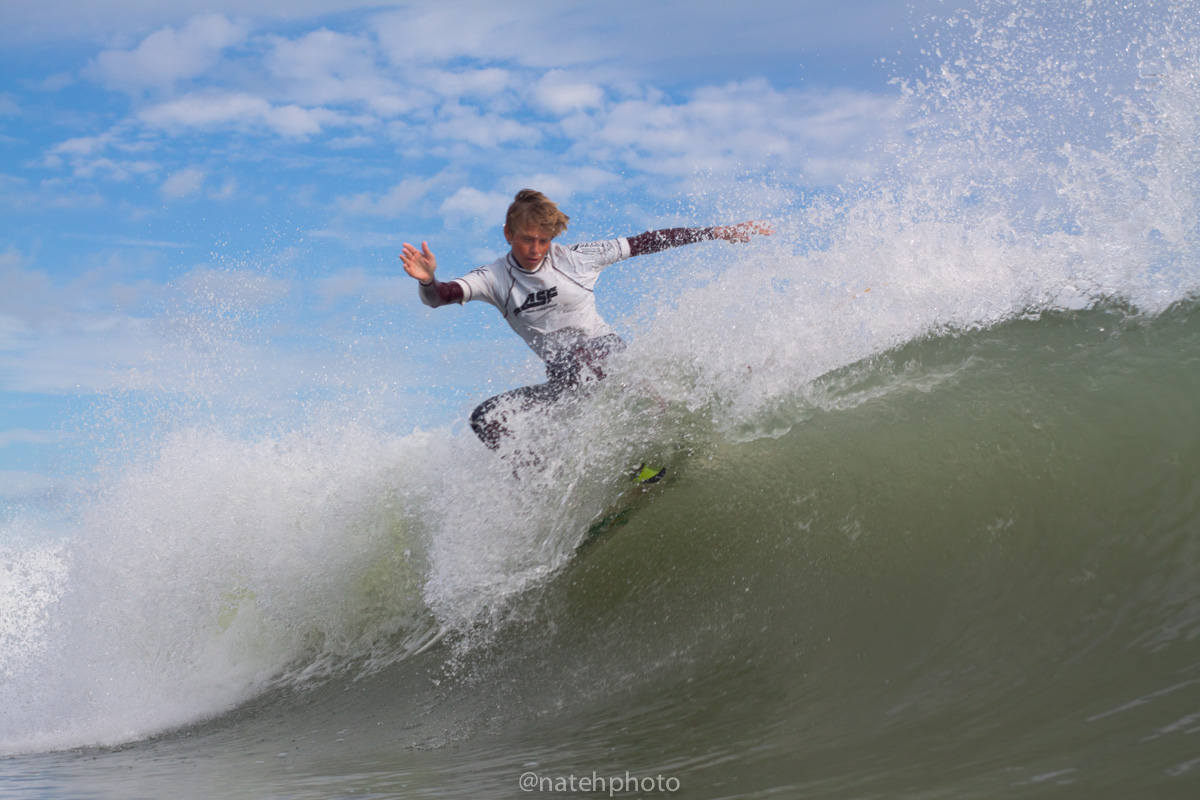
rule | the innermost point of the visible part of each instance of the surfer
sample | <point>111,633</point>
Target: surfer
<point>544,291</point>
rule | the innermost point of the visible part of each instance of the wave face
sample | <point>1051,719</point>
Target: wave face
<point>931,526</point>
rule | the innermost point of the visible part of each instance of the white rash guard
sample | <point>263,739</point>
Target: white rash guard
<point>553,306</point>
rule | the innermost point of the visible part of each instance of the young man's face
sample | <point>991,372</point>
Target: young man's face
<point>529,245</point>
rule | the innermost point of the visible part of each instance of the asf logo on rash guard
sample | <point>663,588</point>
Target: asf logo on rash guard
<point>537,299</point>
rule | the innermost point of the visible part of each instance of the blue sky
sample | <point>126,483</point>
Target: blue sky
<point>203,201</point>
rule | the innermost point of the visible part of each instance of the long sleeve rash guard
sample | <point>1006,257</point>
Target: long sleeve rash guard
<point>436,293</point>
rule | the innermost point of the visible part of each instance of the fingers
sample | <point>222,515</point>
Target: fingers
<point>756,227</point>
<point>420,264</point>
<point>744,230</point>
<point>409,253</point>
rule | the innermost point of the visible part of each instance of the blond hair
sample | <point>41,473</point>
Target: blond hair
<point>532,209</point>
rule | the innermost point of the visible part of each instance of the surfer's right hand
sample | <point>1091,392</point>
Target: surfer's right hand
<point>420,264</point>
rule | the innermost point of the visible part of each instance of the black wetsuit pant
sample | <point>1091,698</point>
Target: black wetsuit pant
<point>567,373</point>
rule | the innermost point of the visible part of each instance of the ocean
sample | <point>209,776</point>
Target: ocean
<point>930,526</point>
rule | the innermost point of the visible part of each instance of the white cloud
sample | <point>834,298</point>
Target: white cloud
<point>169,55</point>
<point>79,147</point>
<point>325,67</point>
<point>71,337</point>
<point>749,125</point>
<point>13,332</point>
<point>217,109</point>
<point>564,184</point>
<point>357,285</point>
<point>183,183</point>
<point>12,260</point>
<point>348,283</point>
<point>25,436</point>
<point>27,296</point>
<point>113,169</point>
<point>57,82</point>
<point>559,94</point>
<point>17,193</point>
<point>15,483</point>
<point>430,33</point>
<point>400,198</point>
<point>75,354</point>
<point>430,104</point>
<point>296,122</point>
<point>88,157</point>
<point>350,142</point>
<point>484,207</point>
<point>227,191</point>
<point>209,109</point>
<point>485,130</point>
<point>374,240</point>
<point>487,82</point>
<point>469,202</point>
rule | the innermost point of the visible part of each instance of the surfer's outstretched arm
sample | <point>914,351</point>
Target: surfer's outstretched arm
<point>421,265</point>
<point>654,241</point>
<point>743,231</point>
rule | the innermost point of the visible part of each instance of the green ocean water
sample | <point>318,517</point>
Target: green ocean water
<point>982,582</point>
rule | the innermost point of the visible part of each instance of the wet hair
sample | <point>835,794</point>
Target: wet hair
<point>532,209</point>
